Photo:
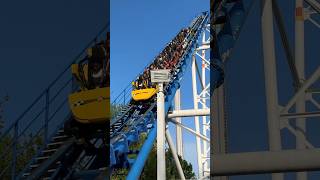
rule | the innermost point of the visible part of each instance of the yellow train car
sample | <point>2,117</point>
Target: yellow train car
<point>91,106</point>
<point>143,94</point>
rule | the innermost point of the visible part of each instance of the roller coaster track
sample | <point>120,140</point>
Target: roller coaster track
<point>130,123</point>
<point>40,128</point>
<point>59,156</point>
<point>133,120</point>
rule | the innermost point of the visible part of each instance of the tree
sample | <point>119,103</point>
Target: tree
<point>171,169</point>
<point>115,109</point>
<point>4,100</point>
<point>150,168</point>
<point>27,147</point>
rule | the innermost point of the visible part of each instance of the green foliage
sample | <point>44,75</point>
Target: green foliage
<point>4,100</point>
<point>119,174</point>
<point>150,168</point>
<point>26,148</point>
<point>171,169</point>
<point>115,109</point>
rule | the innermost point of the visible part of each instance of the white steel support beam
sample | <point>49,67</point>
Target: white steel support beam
<point>300,116</point>
<point>203,95</point>
<point>315,4</point>
<point>201,108</point>
<point>175,155</point>
<point>315,76</point>
<point>161,127</point>
<point>299,57</point>
<point>205,47</point>
<point>314,22</point>
<point>266,162</point>
<point>314,102</point>
<point>285,124</point>
<point>179,139</point>
<point>196,118</point>
<point>189,113</point>
<point>190,130</point>
<point>270,80</point>
<point>219,126</point>
<point>204,59</point>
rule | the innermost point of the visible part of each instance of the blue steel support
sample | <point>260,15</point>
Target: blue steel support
<point>137,167</point>
<point>227,20</point>
<point>223,40</point>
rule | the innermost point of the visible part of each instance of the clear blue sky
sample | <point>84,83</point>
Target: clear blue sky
<point>38,40</point>
<point>139,31</point>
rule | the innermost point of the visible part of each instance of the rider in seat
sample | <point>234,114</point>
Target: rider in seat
<point>97,66</point>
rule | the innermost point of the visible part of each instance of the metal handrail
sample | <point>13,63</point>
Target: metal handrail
<point>14,127</point>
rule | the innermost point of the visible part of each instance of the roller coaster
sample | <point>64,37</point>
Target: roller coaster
<point>64,131</point>
<point>74,146</point>
<point>135,118</point>
<point>137,114</point>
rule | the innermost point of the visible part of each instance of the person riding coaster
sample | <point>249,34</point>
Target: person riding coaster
<point>144,94</point>
<point>143,89</point>
<point>90,103</point>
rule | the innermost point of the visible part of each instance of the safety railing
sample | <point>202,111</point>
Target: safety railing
<point>33,128</point>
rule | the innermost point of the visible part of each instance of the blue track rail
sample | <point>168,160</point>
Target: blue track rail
<point>133,124</point>
<point>226,24</point>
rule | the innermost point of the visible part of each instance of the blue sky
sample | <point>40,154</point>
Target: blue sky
<point>139,31</point>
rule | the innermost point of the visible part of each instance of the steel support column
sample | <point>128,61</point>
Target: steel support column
<point>219,125</point>
<point>161,127</point>
<point>175,155</point>
<point>179,139</point>
<point>270,79</point>
<point>205,125</point>
<point>196,118</point>
<point>299,57</point>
